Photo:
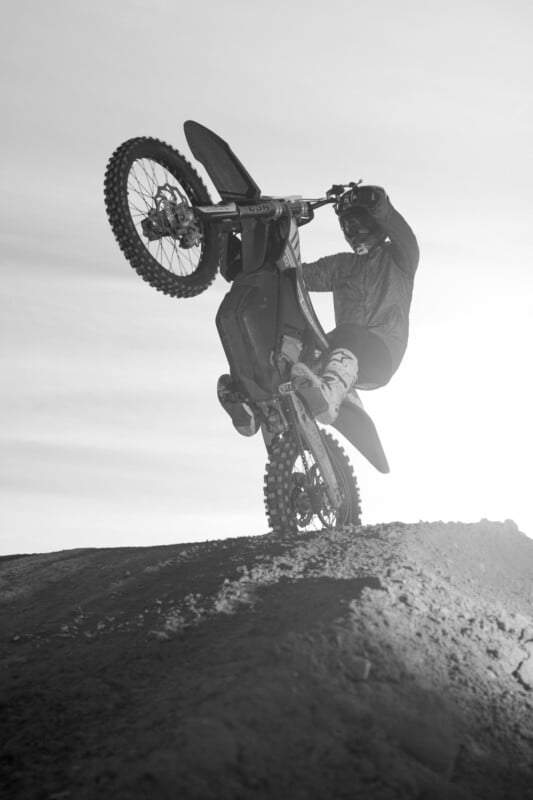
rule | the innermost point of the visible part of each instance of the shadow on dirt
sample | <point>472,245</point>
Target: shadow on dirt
<point>332,666</point>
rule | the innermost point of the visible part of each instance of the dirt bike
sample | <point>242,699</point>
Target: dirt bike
<point>177,239</point>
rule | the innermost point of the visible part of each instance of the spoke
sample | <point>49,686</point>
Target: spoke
<point>139,212</point>
<point>192,265</point>
<point>149,178</point>
<point>163,254</point>
<point>181,268</point>
<point>176,252</point>
<point>145,181</point>
<point>190,260</point>
<point>171,261</point>
<point>155,178</point>
<point>147,165</point>
<point>147,199</point>
<point>168,260</point>
<point>141,189</point>
<point>187,255</point>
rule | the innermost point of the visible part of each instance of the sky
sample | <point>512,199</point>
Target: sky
<point>111,431</point>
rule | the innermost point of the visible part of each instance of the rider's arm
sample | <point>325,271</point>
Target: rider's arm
<point>403,240</point>
<point>318,275</point>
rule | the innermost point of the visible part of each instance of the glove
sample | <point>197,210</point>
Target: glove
<point>371,197</point>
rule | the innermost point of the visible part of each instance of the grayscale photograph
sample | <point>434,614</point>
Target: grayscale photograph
<point>266,529</point>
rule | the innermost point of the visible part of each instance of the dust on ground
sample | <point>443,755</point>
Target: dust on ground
<point>384,662</point>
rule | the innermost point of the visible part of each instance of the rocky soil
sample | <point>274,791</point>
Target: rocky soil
<point>384,662</point>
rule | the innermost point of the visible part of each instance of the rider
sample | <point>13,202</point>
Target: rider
<point>372,288</point>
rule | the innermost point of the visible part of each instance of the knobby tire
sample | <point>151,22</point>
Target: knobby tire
<point>279,486</point>
<point>130,242</point>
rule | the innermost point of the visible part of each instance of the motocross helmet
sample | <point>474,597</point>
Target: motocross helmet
<point>360,229</point>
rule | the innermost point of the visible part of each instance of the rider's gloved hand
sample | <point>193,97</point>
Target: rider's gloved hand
<point>373,198</point>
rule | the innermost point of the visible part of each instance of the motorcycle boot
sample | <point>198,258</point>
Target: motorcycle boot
<point>244,418</point>
<point>324,394</point>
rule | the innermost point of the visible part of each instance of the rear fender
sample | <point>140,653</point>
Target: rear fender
<point>356,426</point>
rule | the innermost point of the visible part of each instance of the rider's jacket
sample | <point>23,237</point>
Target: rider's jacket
<point>373,290</point>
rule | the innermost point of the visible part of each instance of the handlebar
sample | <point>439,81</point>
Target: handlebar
<point>267,208</point>
<point>338,193</point>
<point>271,208</point>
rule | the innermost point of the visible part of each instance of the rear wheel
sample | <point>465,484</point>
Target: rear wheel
<point>150,193</point>
<point>295,492</point>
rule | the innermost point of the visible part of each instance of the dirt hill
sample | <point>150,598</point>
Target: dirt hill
<point>390,661</point>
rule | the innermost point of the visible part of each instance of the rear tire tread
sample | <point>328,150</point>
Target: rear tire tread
<point>142,261</point>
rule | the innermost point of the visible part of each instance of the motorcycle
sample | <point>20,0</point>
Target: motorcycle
<point>177,239</point>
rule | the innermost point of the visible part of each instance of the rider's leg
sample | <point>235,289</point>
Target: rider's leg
<point>357,357</point>
<point>374,357</point>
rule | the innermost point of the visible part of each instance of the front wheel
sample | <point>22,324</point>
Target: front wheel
<point>295,493</point>
<point>150,193</point>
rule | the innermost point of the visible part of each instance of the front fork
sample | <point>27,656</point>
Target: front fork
<point>309,431</point>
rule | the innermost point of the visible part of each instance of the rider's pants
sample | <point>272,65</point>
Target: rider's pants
<point>373,355</point>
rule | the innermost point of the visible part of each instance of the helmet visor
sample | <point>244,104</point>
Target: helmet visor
<point>355,224</point>
<point>359,229</point>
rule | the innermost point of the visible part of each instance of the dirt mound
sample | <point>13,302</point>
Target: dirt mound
<point>391,661</point>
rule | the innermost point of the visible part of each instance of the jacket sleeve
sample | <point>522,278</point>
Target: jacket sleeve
<point>403,240</point>
<point>318,275</point>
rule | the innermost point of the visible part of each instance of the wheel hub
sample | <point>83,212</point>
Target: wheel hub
<point>171,217</point>
<point>309,498</point>
<point>301,499</point>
